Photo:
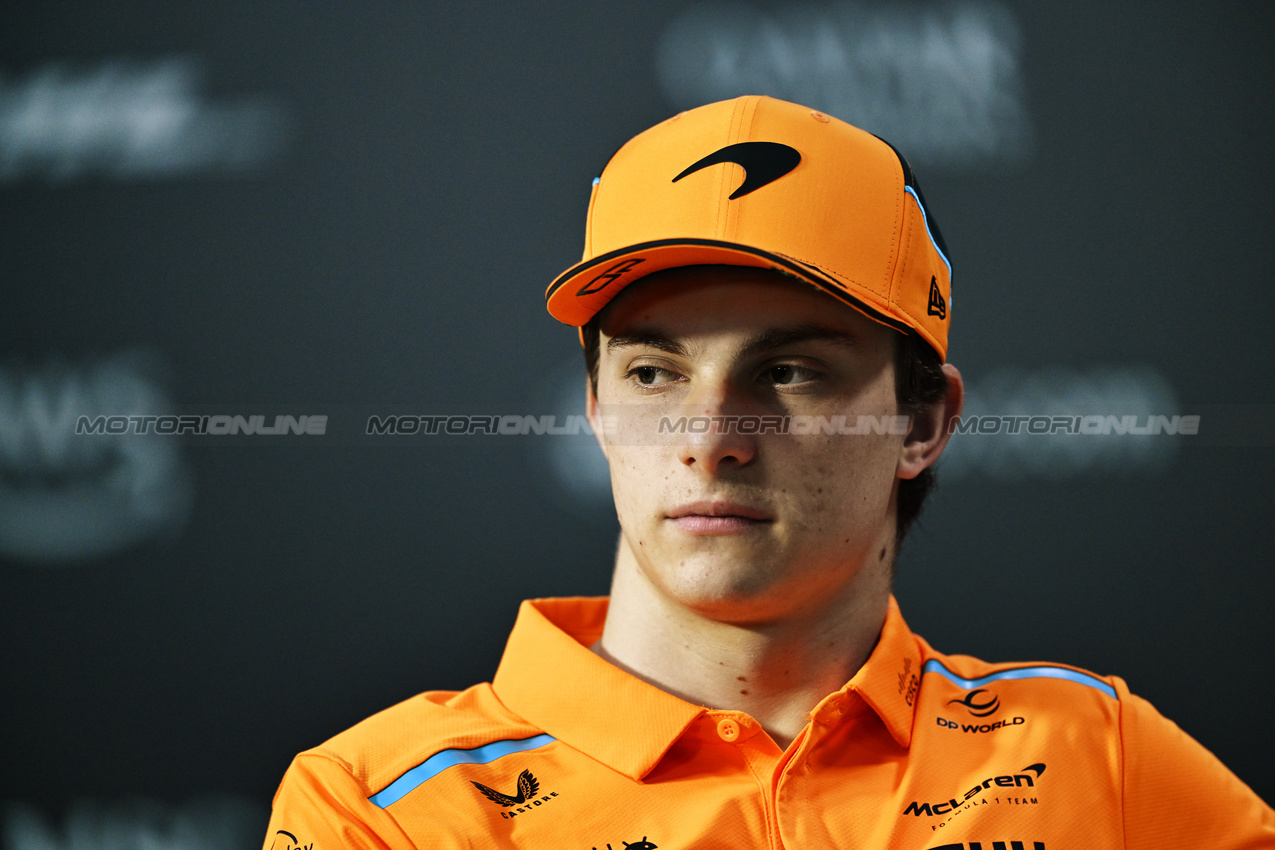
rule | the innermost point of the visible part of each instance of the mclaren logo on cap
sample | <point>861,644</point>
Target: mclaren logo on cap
<point>763,162</point>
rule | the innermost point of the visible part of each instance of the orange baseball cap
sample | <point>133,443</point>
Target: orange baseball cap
<point>761,182</point>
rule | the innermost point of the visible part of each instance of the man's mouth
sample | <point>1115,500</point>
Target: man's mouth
<point>717,517</point>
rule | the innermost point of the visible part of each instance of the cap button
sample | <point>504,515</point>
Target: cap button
<point>728,729</point>
<point>819,116</point>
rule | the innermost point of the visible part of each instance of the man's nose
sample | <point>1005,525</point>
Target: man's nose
<point>721,445</point>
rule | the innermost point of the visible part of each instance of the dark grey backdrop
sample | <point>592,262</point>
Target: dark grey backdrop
<point>392,188</point>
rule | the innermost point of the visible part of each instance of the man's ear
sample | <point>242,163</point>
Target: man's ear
<point>931,427</point>
<point>592,414</point>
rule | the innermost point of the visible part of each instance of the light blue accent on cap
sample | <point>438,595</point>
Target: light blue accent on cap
<point>597,180</point>
<point>437,763</point>
<point>933,666</point>
<point>925,218</point>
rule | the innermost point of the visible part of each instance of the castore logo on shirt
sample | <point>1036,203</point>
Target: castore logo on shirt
<point>528,788</point>
<point>908,682</point>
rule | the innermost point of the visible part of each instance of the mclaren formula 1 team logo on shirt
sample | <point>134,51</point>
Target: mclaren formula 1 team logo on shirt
<point>528,796</point>
<point>994,790</point>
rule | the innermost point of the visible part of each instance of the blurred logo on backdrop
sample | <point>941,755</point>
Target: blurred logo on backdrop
<point>65,498</point>
<point>940,80</point>
<point>211,822</point>
<point>130,119</point>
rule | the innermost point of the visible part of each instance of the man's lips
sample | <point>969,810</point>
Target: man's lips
<point>717,509</point>
<point>717,517</point>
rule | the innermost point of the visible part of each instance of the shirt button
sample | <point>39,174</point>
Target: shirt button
<point>728,729</point>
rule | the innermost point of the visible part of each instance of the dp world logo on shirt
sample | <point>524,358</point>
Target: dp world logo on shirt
<point>980,703</point>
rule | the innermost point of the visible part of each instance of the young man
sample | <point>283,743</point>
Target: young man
<point>764,303</point>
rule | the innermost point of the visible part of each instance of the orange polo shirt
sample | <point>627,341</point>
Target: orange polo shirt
<point>919,750</point>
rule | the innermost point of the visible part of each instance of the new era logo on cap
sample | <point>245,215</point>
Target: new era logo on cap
<point>937,305</point>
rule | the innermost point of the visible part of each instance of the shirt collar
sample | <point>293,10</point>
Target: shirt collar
<point>891,678</point>
<point>549,676</point>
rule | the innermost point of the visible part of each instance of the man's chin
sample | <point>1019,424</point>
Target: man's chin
<point>731,587</point>
<point>750,611</point>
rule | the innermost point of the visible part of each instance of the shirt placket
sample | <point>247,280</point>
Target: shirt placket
<point>771,766</point>
<point>760,754</point>
<point>787,824</point>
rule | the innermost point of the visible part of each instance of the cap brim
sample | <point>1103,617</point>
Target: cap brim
<point>580,293</point>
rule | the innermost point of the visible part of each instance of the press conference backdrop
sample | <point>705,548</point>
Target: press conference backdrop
<point>340,211</point>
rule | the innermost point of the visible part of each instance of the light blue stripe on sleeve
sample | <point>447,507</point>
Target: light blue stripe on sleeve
<point>437,763</point>
<point>933,666</point>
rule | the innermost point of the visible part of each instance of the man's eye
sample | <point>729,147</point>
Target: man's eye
<point>786,373</point>
<point>650,375</point>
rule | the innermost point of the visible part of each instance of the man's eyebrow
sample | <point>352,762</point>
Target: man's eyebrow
<point>646,339</point>
<point>779,337</point>
<point>764,341</point>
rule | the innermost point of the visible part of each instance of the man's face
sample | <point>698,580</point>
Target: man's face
<point>748,527</point>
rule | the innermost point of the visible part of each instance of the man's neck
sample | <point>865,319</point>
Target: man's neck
<point>776,672</point>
